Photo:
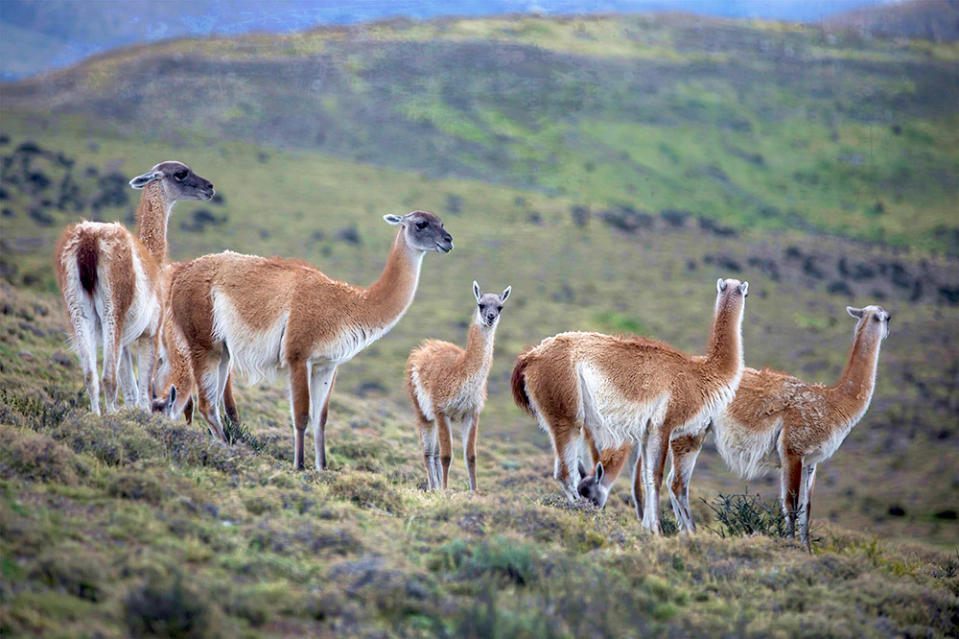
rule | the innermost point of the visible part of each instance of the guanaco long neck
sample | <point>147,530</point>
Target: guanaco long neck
<point>385,301</point>
<point>153,212</point>
<point>724,351</point>
<point>859,376</point>
<point>479,349</point>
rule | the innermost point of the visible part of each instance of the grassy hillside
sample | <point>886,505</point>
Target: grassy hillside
<point>776,126</point>
<point>129,526</point>
<point>610,170</point>
<point>613,270</point>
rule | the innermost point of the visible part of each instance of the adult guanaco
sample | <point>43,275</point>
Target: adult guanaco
<point>173,385</point>
<point>631,390</point>
<point>448,383</point>
<point>268,314</point>
<point>110,281</point>
<point>773,411</point>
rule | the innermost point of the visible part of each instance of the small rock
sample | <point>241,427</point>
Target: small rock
<point>26,356</point>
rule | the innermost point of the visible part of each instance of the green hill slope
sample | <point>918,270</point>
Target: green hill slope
<point>129,526</point>
<point>608,269</point>
<point>752,124</point>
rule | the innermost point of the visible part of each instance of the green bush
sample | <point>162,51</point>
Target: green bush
<point>741,515</point>
<point>168,608</point>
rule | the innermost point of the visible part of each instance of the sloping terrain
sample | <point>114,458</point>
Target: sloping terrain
<point>131,526</point>
<point>613,270</point>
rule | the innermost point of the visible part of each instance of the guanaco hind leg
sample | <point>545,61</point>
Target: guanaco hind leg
<point>446,446</point>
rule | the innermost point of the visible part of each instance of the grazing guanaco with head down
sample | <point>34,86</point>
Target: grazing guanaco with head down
<point>110,280</point>
<point>266,314</point>
<point>448,383</point>
<point>174,374</point>
<point>631,390</point>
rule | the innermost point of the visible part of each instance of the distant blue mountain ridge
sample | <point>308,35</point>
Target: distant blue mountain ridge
<point>38,36</point>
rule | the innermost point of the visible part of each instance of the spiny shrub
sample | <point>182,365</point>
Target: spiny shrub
<point>497,557</point>
<point>168,608</point>
<point>742,515</point>
<point>39,412</point>
<point>237,433</point>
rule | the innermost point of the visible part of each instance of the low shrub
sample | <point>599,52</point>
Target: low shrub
<point>741,515</point>
<point>37,457</point>
<point>168,608</point>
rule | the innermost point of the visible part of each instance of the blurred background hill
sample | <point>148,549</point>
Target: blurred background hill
<point>609,167</point>
<point>37,36</point>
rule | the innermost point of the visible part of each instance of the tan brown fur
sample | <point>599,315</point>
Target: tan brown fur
<point>265,314</point>
<point>774,411</point>
<point>805,423</point>
<point>632,389</point>
<point>174,384</point>
<point>446,383</point>
<point>110,281</point>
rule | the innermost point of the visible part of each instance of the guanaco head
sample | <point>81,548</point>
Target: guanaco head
<point>165,405</point>
<point>424,231</point>
<point>591,487</point>
<point>874,320</point>
<point>730,290</point>
<point>489,305</point>
<point>177,182</point>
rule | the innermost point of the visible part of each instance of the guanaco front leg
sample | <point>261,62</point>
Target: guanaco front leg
<point>657,448</point>
<point>470,428</point>
<point>321,388</point>
<point>638,481</point>
<point>805,503</point>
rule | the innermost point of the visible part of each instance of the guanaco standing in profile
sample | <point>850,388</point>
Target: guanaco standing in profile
<point>774,411</point>
<point>267,314</point>
<point>110,280</point>
<point>448,383</point>
<point>631,390</point>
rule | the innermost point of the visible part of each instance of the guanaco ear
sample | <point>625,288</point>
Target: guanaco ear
<point>477,293</point>
<point>720,285</point>
<point>855,312</point>
<point>393,219</point>
<point>505,294</point>
<point>744,289</point>
<point>582,469</point>
<point>141,181</point>
<point>172,399</point>
<point>599,472</point>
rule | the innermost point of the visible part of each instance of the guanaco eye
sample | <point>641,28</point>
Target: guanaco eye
<point>876,318</point>
<point>422,225</point>
<point>181,174</point>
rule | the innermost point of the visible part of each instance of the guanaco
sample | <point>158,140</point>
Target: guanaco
<point>268,314</point>
<point>448,383</point>
<point>110,281</point>
<point>631,390</point>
